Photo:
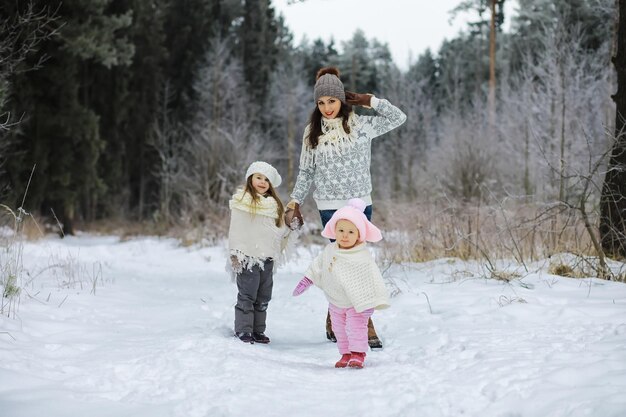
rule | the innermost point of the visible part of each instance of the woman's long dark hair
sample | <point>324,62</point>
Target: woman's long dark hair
<point>315,123</point>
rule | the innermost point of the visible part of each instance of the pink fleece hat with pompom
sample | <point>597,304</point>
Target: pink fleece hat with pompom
<point>353,212</point>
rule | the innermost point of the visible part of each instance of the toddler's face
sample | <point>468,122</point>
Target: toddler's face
<point>346,233</point>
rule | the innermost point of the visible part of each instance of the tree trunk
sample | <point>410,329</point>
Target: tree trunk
<point>353,74</point>
<point>613,199</point>
<point>527,184</point>
<point>291,147</point>
<point>492,67</point>
<point>562,176</point>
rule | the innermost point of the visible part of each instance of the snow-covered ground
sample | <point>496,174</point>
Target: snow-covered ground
<point>155,340</point>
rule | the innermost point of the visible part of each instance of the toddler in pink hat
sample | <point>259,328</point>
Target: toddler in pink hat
<point>350,279</point>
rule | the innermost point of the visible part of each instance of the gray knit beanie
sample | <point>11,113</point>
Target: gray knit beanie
<point>329,85</point>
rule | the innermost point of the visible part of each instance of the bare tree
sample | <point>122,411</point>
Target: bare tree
<point>222,138</point>
<point>491,102</point>
<point>167,141</point>
<point>548,114</point>
<point>465,161</point>
<point>22,32</point>
<point>400,161</point>
<point>289,90</point>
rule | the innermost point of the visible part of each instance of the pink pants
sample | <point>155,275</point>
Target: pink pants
<point>350,328</point>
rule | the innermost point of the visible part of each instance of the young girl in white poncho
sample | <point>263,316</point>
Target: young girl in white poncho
<point>350,279</point>
<point>255,237</point>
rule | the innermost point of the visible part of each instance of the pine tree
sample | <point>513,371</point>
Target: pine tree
<point>481,41</point>
<point>425,73</point>
<point>536,18</point>
<point>61,135</point>
<point>189,27</point>
<point>258,46</point>
<point>357,66</point>
<point>316,56</point>
<point>126,101</point>
<point>22,30</point>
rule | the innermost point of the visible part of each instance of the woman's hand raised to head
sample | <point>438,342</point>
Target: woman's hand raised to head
<point>357,99</point>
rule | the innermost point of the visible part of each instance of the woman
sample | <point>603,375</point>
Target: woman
<point>336,155</point>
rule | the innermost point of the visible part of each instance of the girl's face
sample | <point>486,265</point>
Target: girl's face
<point>346,233</point>
<point>329,106</point>
<point>260,183</point>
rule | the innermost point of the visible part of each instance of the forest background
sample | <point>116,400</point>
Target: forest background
<point>141,116</point>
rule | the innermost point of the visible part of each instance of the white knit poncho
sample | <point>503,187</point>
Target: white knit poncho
<point>349,278</point>
<point>253,235</point>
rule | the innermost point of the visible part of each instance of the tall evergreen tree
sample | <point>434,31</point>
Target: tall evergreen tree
<point>358,70</point>
<point>22,30</point>
<point>258,47</point>
<point>314,57</point>
<point>476,50</point>
<point>536,18</point>
<point>425,73</point>
<point>126,101</point>
<point>61,135</point>
<point>174,59</point>
<point>463,71</point>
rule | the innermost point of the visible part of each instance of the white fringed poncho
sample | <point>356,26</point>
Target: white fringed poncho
<point>253,235</point>
<point>349,278</point>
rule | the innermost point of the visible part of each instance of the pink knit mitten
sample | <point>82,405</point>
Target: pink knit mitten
<point>302,286</point>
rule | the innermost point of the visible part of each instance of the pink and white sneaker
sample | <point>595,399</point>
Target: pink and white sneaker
<point>356,360</point>
<point>343,362</point>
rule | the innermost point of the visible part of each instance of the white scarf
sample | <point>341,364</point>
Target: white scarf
<point>266,206</point>
<point>333,140</point>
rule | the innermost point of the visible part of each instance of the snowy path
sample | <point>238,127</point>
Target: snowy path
<point>155,341</point>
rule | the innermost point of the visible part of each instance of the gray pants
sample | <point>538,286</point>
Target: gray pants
<point>255,293</point>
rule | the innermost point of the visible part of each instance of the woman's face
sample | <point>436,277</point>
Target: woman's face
<point>329,106</point>
<point>346,233</point>
<point>260,183</point>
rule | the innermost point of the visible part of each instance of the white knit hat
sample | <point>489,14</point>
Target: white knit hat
<point>265,169</point>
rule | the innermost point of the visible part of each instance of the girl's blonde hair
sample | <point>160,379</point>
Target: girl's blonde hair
<point>272,192</point>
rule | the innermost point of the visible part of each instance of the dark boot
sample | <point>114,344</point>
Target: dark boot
<point>259,337</point>
<point>245,337</point>
<point>372,338</point>
<point>330,335</point>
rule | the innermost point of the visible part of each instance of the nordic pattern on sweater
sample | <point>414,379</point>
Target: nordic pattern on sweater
<point>341,176</point>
